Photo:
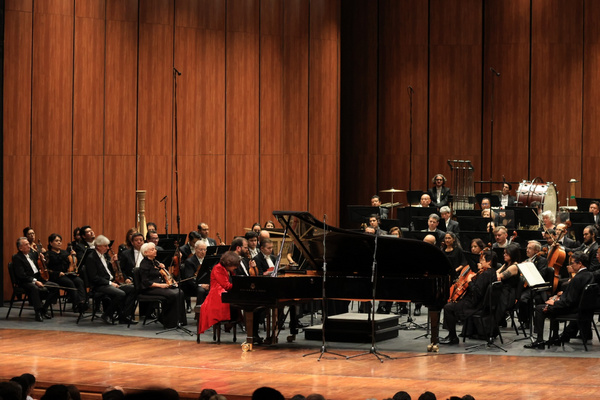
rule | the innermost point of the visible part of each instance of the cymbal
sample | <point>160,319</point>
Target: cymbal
<point>388,205</point>
<point>392,190</point>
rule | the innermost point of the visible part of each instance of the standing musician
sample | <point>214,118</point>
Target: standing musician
<point>566,303</point>
<point>101,275</point>
<point>156,281</point>
<point>199,286</point>
<point>506,200</point>
<point>62,266</point>
<point>214,310</point>
<point>473,298</point>
<point>29,278</point>
<point>439,194</point>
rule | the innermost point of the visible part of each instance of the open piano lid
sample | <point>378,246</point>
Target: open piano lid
<point>351,253</point>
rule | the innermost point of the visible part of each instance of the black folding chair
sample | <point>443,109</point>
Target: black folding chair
<point>488,316</point>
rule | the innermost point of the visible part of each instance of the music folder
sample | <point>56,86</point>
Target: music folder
<point>532,275</point>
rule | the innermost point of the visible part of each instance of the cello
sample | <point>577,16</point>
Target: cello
<point>556,258</point>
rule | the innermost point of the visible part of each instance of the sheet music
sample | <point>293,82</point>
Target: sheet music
<point>531,274</point>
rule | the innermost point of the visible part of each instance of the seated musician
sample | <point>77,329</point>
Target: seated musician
<point>453,251</point>
<point>376,202</point>
<point>188,249</point>
<point>265,260</point>
<point>489,213</point>
<point>510,276</point>
<point>152,237</point>
<point>252,238</point>
<point>541,263</point>
<point>156,281</point>
<point>214,310</point>
<point>85,244</point>
<point>502,240</point>
<point>27,273</point>
<point>595,210</point>
<point>395,231</point>
<point>548,221</point>
<point>247,266</point>
<point>564,240</point>
<point>450,224</point>
<point>374,222</point>
<point>192,284</point>
<point>103,278</point>
<point>63,271</point>
<point>565,303</point>
<point>432,228</point>
<point>506,200</point>
<point>425,201</point>
<point>203,231</point>
<point>439,194</point>
<point>132,257</point>
<point>29,233</point>
<point>590,247</point>
<point>127,244</point>
<point>472,301</point>
<point>269,225</point>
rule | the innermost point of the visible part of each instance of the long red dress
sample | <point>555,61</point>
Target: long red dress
<point>213,309</point>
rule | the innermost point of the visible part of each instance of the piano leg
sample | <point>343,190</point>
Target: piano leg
<point>249,315</point>
<point>434,319</point>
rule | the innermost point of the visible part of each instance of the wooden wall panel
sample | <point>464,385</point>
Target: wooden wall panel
<point>88,93</point>
<point>358,102</point>
<point>507,51</point>
<point>119,197</point>
<point>455,84</point>
<point>52,86</point>
<point>16,130</point>
<point>403,62</point>
<point>51,189</point>
<point>17,5</point>
<point>324,111</point>
<point>90,9</point>
<point>591,107</point>
<point>122,10</point>
<point>556,87</point>
<point>55,7</point>
<point>242,116</point>
<point>87,207</point>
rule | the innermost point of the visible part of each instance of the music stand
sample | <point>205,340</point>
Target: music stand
<point>537,284</point>
<point>324,302</point>
<point>373,350</point>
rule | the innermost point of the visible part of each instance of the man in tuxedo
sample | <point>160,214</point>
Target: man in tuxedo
<point>450,224</point>
<point>29,278</point>
<point>566,304</point>
<point>203,231</point>
<point>439,194</point>
<point>188,248</point>
<point>101,276</point>
<point>595,210</point>
<point>252,238</point>
<point>199,286</point>
<point>432,229</point>
<point>376,202</point>
<point>152,237</point>
<point>265,260</point>
<point>131,258</point>
<point>85,243</point>
<point>506,200</point>
<point>590,247</point>
<point>247,265</point>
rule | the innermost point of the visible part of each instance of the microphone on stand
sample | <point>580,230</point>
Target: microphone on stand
<point>177,72</point>
<point>163,199</point>
<point>491,69</point>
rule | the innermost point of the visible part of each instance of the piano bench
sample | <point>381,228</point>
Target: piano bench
<point>216,327</point>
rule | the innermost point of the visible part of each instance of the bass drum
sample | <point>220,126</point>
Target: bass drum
<point>537,190</point>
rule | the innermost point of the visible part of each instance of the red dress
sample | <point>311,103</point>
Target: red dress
<point>213,309</point>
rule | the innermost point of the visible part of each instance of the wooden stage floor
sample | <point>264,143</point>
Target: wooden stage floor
<point>91,360</point>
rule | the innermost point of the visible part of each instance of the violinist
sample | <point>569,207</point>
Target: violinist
<point>472,301</point>
<point>156,281</point>
<point>132,257</point>
<point>510,276</point>
<point>197,287</point>
<point>454,253</point>
<point>564,240</point>
<point>62,266</point>
<point>29,233</point>
<point>590,246</point>
<point>152,237</point>
<point>86,243</point>
<point>188,249</point>
<point>252,238</point>
<point>566,303</point>
<point>28,277</point>
<point>101,275</point>
<point>247,265</point>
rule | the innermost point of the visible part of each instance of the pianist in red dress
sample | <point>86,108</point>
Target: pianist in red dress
<point>213,310</point>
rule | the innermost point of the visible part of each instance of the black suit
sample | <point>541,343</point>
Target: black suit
<point>122,297</point>
<point>211,241</point>
<point>261,262</point>
<point>568,302</point>
<point>127,262</point>
<point>444,198</point>
<point>192,287</point>
<point>591,252</point>
<point>26,279</point>
<point>452,226</point>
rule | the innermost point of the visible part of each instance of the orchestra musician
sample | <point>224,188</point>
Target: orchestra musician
<point>214,310</point>
<point>197,287</point>
<point>541,263</point>
<point>269,225</point>
<point>252,238</point>
<point>590,246</point>
<point>472,301</point>
<point>256,227</point>
<point>510,276</point>
<point>548,220</point>
<point>152,237</point>
<point>127,244</point>
<point>453,251</point>
<point>154,283</point>
<point>565,304</point>
<point>101,275</point>
<point>62,268</point>
<point>432,228</point>
<point>85,244</point>
<point>187,249</point>
<point>29,278</point>
<point>265,260</point>
<point>203,231</point>
<point>506,200</point>
<point>501,236</point>
<point>439,194</point>
<point>374,222</point>
<point>132,257</point>
<point>29,233</point>
<point>376,202</point>
<point>425,200</point>
<point>595,210</point>
<point>246,265</point>
<point>450,224</point>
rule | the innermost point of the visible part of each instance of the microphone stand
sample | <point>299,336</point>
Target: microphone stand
<point>166,217</point>
<point>180,295</point>
<point>494,73</point>
<point>410,93</point>
<point>373,350</point>
<point>324,302</point>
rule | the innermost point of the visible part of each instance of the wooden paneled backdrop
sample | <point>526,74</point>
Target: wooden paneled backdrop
<point>89,113</point>
<point>285,104</point>
<point>546,99</point>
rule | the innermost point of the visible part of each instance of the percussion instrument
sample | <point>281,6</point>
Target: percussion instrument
<point>537,190</point>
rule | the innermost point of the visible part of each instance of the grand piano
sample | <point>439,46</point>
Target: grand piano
<point>406,269</point>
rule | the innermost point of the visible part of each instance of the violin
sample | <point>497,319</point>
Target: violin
<point>42,262</point>
<point>176,261</point>
<point>72,262</point>
<point>459,288</point>
<point>220,240</point>
<point>119,277</point>
<point>165,274</point>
